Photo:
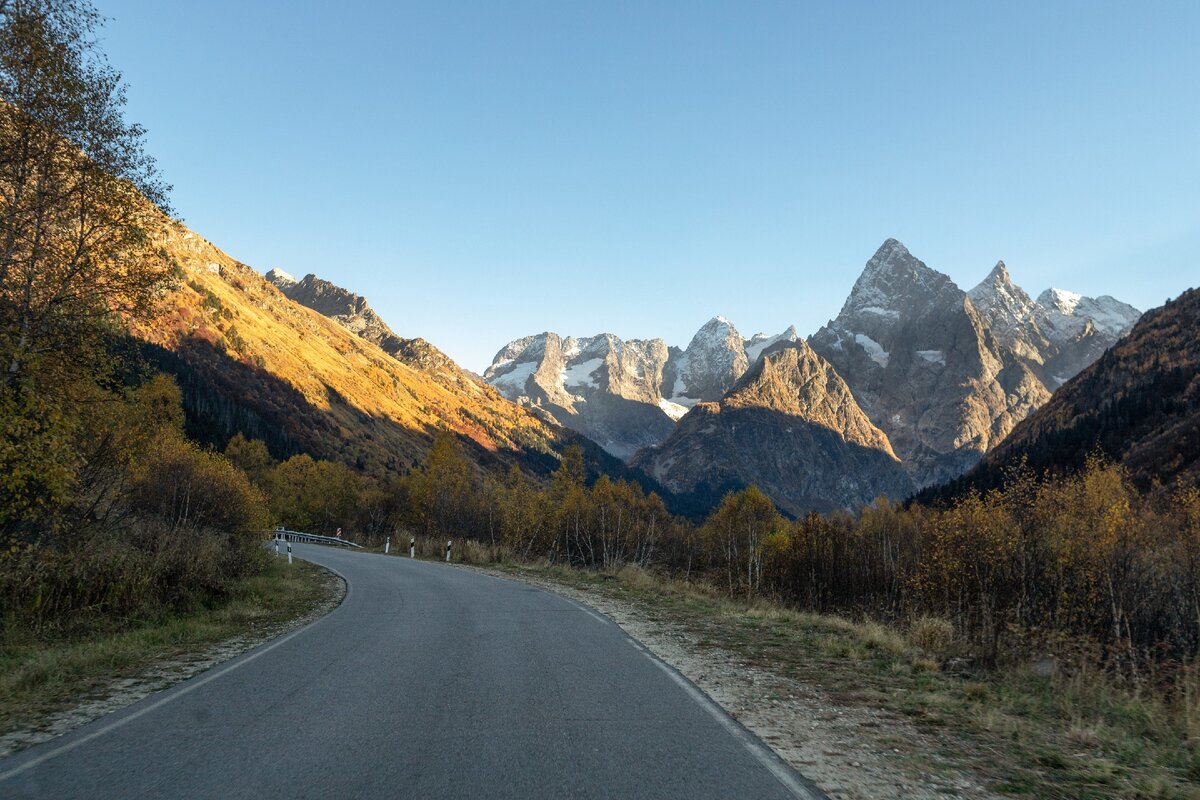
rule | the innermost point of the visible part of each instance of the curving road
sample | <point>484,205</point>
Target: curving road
<point>427,682</point>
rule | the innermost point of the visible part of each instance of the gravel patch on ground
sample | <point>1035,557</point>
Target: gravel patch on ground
<point>162,675</point>
<point>852,752</point>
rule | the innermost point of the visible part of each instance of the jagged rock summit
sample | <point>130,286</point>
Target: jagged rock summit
<point>603,387</point>
<point>1139,405</point>
<point>918,358</point>
<point>946,373</point>
<point>1059,334</point>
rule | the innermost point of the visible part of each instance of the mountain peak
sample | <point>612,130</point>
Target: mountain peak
<point>280,278</point>
<point>997,290</point>
<point>1059,300</point>
<point>895,279</point>
<point>717,323</point>
<point>890,248</point>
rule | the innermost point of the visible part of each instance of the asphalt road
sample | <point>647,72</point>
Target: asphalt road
<point>427,682</point>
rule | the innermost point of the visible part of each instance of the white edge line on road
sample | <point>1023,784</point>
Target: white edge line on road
<point>586,610</point>
<point>170,696</point>
<point>782,772</point>
<point>801,788</point>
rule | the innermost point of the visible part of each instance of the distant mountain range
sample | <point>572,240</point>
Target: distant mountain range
<point>939,374</point>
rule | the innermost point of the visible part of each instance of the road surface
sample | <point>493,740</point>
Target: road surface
<point>427,682</point>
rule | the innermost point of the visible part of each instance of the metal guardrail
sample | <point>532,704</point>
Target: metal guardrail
<point>311,538</point>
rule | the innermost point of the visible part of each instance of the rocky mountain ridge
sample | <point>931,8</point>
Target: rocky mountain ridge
<point>354,313</point>
<point>251,360</point>
<point>625,394</point>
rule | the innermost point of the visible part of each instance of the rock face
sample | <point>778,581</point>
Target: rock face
<point>924,366</point>
<point>1139,405</point>
<point>947,374</point>
<point>624,394</point>
<point>790,426</point>
<point>714,359</point>
<point>603,387</point>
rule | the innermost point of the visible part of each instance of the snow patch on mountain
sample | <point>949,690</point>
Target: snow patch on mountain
<point>581,374</point>
<point>933,356</point>
<point>1067,314</point>
<point>673,410</point>
<point>514,380</point>
<point>280,278</point>
<point>874,349</point>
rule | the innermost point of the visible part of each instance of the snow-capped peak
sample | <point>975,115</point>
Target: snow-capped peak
<point>760,342</point>
<point>1069,313</point>
<point>1059,300</point>
<point>280,278</point>
<point>892,281</point>
<point>998,295</point>
<point>999,275</point>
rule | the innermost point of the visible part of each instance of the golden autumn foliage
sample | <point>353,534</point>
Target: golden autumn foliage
<point>144,520</point>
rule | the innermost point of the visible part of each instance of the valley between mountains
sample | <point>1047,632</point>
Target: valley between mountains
<point>907,387</point>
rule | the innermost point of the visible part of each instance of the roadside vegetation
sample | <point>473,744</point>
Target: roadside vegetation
<point>120,539</point>
<point>1046,633</point>
<point>43,674</point>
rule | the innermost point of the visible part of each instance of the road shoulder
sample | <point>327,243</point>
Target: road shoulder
<point>57,687</point>
<point>852,751</point>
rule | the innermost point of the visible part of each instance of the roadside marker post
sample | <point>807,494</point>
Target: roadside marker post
<point>412,547</point>
<point>448,550</point>
<point>387,545</point>
<point>276,545</point>
<point>289,551</point>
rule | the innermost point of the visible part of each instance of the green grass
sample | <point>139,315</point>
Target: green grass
<point>41,676</point>
<point>1024,734</point>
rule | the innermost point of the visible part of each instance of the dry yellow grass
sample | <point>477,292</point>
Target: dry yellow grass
<point>373,406</point>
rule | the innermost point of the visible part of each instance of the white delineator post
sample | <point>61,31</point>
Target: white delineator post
<point>412,547</point>
<point>387,545</point>
<point>276,545</point>
<point>289,551</point>
<point>448,550</point>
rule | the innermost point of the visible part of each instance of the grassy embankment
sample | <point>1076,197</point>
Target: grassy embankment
<point>41,675</point>
<point>1024,730</point>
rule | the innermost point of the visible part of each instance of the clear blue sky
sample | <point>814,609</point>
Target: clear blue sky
<point>481,171</point>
